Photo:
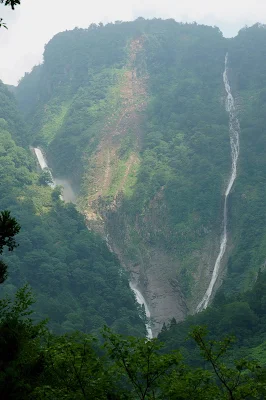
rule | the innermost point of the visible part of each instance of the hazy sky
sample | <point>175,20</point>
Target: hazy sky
<point>35,22</point>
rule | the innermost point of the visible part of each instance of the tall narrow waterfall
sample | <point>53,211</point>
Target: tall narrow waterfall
<point>234,130</point>
<point>139,297</point>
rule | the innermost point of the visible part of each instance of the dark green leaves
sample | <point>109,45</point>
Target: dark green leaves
<point>2,23</point>
<point>9,227</point>
<point>11,3</point>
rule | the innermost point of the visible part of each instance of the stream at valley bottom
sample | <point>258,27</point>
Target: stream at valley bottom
<point>68,195</point>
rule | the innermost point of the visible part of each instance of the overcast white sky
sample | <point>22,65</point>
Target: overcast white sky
<point>35,22</point>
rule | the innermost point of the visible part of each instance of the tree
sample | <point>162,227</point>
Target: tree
<point>12,4</point>
<point>139,367</point>
<point>45,177</point>
<point>242,380</point>
<point>8,229</point>
<point>73,369</point>
<point>21,357</point>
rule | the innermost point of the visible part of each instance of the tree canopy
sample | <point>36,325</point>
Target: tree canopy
<point>12,4</point>
<point>8,229</point>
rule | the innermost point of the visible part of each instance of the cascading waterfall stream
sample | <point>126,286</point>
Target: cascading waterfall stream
<point>43,164</point>
<point>234,130</point>
<point>67,195</point>
<point>139,297</point>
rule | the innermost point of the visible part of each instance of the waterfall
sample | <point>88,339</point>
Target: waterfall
<point>234,130</point>
<point>43,164</point>
<point>68,194</point>
<point>140,299</point>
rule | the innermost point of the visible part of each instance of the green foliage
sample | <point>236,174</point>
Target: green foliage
<point>10,118</point>
<point>186,147</point>
<point>35,364</point>
<point>78,283</point>
<point>241,315</point>
<point>73,369</point>
<point>11,3</point>
<point>238,382</point>
<point>21,359</point>
<point>140,361</point>
<point>45,178</point>
<point>86,286</point>
<point>8,229</point>
<point>2,23</point>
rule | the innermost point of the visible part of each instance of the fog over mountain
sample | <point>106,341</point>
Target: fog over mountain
<point>34,24</point>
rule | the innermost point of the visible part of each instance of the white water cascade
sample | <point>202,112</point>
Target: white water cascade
<point>234,130</point>
<point>43,164</point>
<point>140,299</point>
<point>68,194</point>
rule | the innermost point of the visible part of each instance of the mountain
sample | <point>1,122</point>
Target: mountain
<point>77,282</point>
<point>133,115</point>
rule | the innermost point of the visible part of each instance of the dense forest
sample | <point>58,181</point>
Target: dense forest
<point>242,315</point>
<point>38,365</point>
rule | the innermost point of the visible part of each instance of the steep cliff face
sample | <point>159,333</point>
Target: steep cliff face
<point>155,269</point>
<point>134,114</point>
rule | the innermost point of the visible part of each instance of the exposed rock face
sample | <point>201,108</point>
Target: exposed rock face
<point>161,289</point>
<point>156,270</point>
<point>152,269</point>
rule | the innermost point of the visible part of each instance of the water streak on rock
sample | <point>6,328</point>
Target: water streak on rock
<point>234,131</point>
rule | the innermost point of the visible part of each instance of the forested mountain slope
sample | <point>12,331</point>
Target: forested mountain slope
<point>248,76</point>
<point>241,315</point>
<point>133,114</point>
<point>77,282</point>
